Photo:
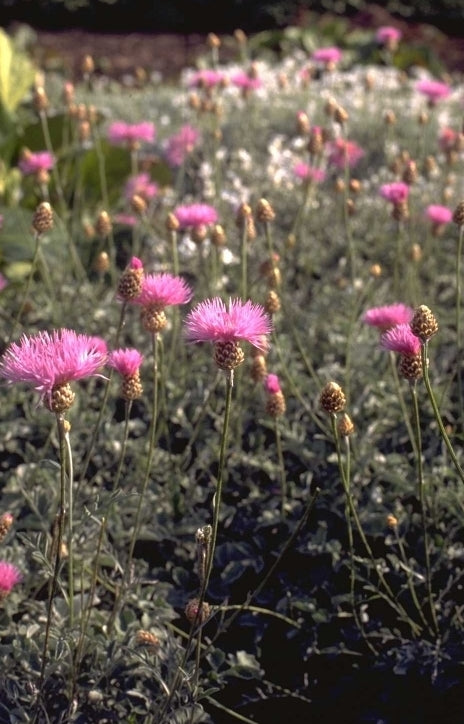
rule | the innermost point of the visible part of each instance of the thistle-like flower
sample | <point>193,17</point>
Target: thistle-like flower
<point>433,90</point>
<point>158,292</point>
<point>49,362</point>
<point>401,339</point>
<point>191,216</point>
<point>127,362</point>
<point>9,577</point>
<point>388,316</point>
<point>226,327</point>
<point>275,403</point>
<point>424,323</point>
<point>332,398</point>
<point>130,283</point>
<point>131,134</point>
<point>181,144</point>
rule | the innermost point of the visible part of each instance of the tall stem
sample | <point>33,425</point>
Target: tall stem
<point>436,411</point>
<point>70,544</point>
<point>420,482</point>
<point>458,315</point>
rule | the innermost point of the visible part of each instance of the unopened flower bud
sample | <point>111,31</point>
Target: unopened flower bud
<point>332,398</point>
<point>193,613</point>
<point>392,522</point>
<point>40,99</point>
<point>147,639</point>
<point>345,425</point>
<point>102,262</point>
<point>218,235</point>
<point>172,223</point>
<point>42,220</point>
<point>424,324</point>
<point>264,211</point>
<point>87,65</point>
<point>6,521</point>
<point>375,271</point>
<point>272,304</point>
<point>458,215</point>
<point>103,225</point>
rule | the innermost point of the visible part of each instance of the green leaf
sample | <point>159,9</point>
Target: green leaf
<point>16,74</point>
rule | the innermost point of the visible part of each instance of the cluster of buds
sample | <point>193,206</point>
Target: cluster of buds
<point>258,370</point>
<point>424,323</point>
<point>410,174</point>
<point>147,639</point>
<point>332,398</point>
<point>218,236</point>
<point>6,521</point>
<point>264,211</point>
<point>103,225</point>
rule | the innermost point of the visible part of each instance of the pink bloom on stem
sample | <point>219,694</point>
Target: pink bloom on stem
<point>3,282</point>
<point>388,316</point>
<point>207,78</point>
<point>343,152</point>
<point>32,163</point>
<point>447,139</point>
<point>328,56</point>
<point>396,192</point>
<point>212,321</point>
<point>125,361</point>
<point>181,144</point>
<point>163,290</point>
<point>245,81</point>
<point>9,577</point>
<point>142,185</point>
<point>121,133</point>
<point>388,35</point>
<point>272,384</point>
<point>46,361</point>
<point>438,214</point>
<point>434,90</point>
<point>195,215</point>
<point>401,339</point>
<point>305,172</point>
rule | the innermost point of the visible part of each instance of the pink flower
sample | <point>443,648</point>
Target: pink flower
<point>163,290</point>
<point>195,215</point>
<point>46,361</point>
<point>434,90</point>
<point>142,185</point>
<point>245,81</point>
<point>3,282</point>
<point>448,139</point>
<point>388,35</point>
<point>9,577</point>
<point>396,192</point>
<point>125,361</point>
<point>121,133</point>
<point>212,321</point>
<point>181,144</point>
<point>328,56</point>
<point>207,78</point>
<point>438,214</point>
<point>305,172</point>
<point>343,152</point>
<point>401,339</point>
<point>388,316</point>
<point>272,384</point>
<point>32,163</point>
<point>125,219</point>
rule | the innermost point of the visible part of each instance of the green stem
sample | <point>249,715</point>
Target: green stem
<point>458,315</point>
<point>244,261</point>
<point>420,482</point>
<point>127,410</point>
<point>399,392</point>
<point>282,474</point>
<point>436,412</point>
<point>70,527</point>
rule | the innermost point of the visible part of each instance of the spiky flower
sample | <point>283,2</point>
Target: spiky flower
<point>433,90</point>
<point>396,192</point>
<point>191,216</point>
<point>9,577</point>
<point>131,134</point>
<point>226,327</point>
<point>424,324</point>
<point>332,398</point>
<point>127,362</point>
<point>49,362</point>
<point>401,339</point>
<point>388,316</point>
<point>158,292</point>
<point>32,163</point>
<point>181,144</point>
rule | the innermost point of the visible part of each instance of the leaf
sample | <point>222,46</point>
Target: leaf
<point>16,74</point>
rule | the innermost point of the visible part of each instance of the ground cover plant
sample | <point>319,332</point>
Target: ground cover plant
<point>232,396</point>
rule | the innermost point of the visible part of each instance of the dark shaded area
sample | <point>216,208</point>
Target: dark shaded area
<point>202,16</point>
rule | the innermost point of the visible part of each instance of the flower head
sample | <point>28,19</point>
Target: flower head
<point>343,152</point>
<point>163,290</point>
<point>121,133</point>
<point>9,577</point>
<point>305,172</point>
<point>181,144</point>
<point>388,316</point>
<point>34,163</point>
<point>212,321</point>
<point>401,339</point>
<point>388,35</point>
<point>272,384</point>
<point>195,215</point>
<point>396,192</point>
<point>433,90</point>
<point>125,361</point>
<point>244,81</point>
<point>140,185</point>
<point>438,214</point>
<point>48,362</point>
<point>207,78</point>
<point>328,56</point>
